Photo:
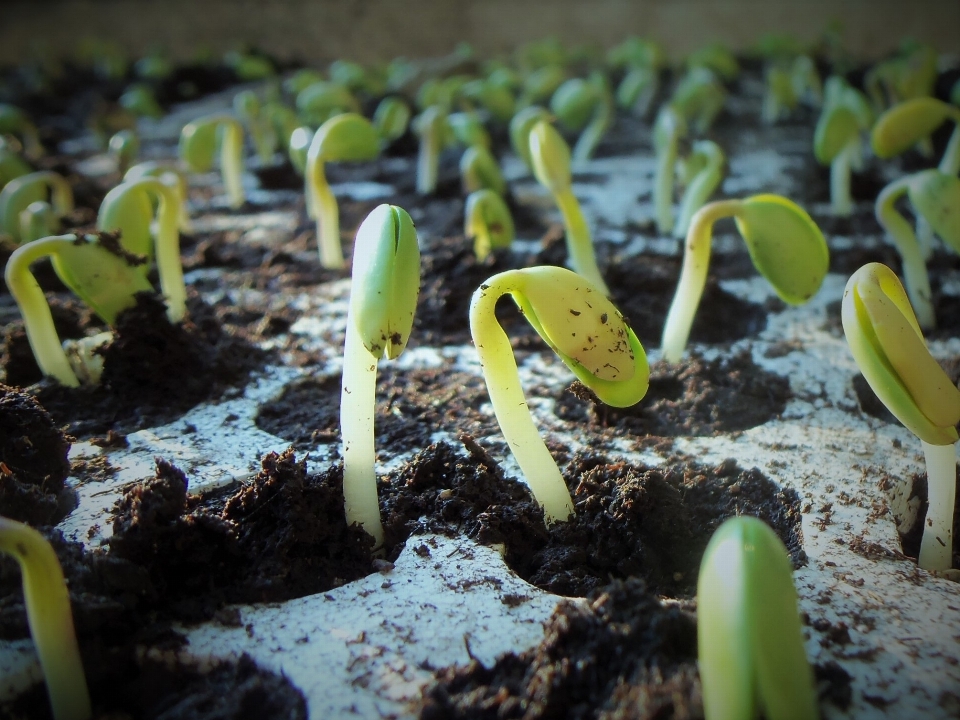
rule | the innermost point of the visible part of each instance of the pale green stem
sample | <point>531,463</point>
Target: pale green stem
<point>936,548</point>
<point>50,619</point>
<point>357,406</point>
<point>915,276</point>
<point>510,406</point>
<point>37,320</point>
<point>167,252</point>
<point>693,277</point>
<point>699,190</point>
<point>428,163</point>
<point>327,215</point>
<point>583,260</point>
<point>482,242</point>
<point>231,162</point>
<point>925,237</point>
<point>663,186</point>
<point>950,162</point>
<point>840,199</point>
<point>593,133</point>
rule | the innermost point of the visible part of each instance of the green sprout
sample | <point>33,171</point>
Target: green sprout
<point>247,66</point>
<point>391,118</point>
<point>912,73</point>
<point>551,166</point>
<point>21,192</point>
<point>488,221</point>
<point>780,97</point>
<point>140,100</point>
<point>703,172</point>
<point>906,123</point>
<point>434,131</point>
<point>13,121</point>
<point>495,93</point>
<point>749,636</point>
<point>355,77</point>
<point>322,100</point>
<point>643,60</point>
<point>251,112</point>
<point>699,98</point>
<point>11,164</point>
<point>585,106</point>
<point>479,169</point>
<point>383,299</point>
<point>520,126</point>
<point>636,52</point>
<point>587,332</point>
<point>806,80</point>
<point>888,346</point>
<point>667,131</point>
<point>172,176</point>
<point>47,600</point>
<point>348,137</point>
<point>784,243</point>
<point>125,147</point>
<point>38,220</point>
<point>717,58</point>
<point>540,84</point>
<point>198,142</point>
<point>836,140</point>
<point>935,198</point>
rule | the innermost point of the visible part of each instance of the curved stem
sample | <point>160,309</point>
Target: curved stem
<point>509,404</point>
<point>327,215</point>
<point>50,619</point>
<point>583,260</point>
<point>37,320</point>
<point>231,162</point>
<point>936,548</point>
<point>167,252</point>
<point>924,233</point>
<point>915,276</point>
<point>693,277</point>
<point>357,406</point>
<point>663,186</point>
<point>840,182</point>
<point>950,162</point>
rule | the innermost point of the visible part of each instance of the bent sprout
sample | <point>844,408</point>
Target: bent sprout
<point>887,344</point>
<point>488,221</point>
<point>21,192</point>
<point>703,171</point>
<point>479,169</point>
<point>785,245</point>
<point>198,142</point>
<point>434,131</point>
<point>836,140</point>
<point>589,335</point>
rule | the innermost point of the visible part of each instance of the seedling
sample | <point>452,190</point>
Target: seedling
<point>391,118</point>
<point>717,58</point>
<point>703,171</point>
<point>586,106</point>
<point>784,243</point>
<point>38,220</point>
<point>749,637</point>
<point>434,131</point>
<point>172,176</point>
<point>468,129</point>
<point>11,164</point>
<point>836,140</point>
<point>488,221</point>
<point>667,131</point>
<point>587,332</point>
<point>806,80</point>
<point>935,198</point>
<point>140,100</point>
<point>50,619</point>
<point>479,169</point>
<point>247,66</point>
<point>125,147</point>
<point>323,100</point>
<point>905,124</point>
<point>383,300</point>
<point>13,121</point>
<point>540,84</point>
<point>355,77</point>
<point>198,142</point>
<point>495,93</point>
<point>699,98</point>
<point>638,88</point>
<point>520,126</point>
<point>551,166</point>
<point>889,349</point>
<point>780,96</point>
<point>25,190</point>
<point>248,108</point>
<point>348,137</point>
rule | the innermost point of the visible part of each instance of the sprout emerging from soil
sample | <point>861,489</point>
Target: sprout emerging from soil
<point>479,170</point>
<point>551,165</point>
<point>50,619</point>
<point>488,221</point>
<point>248,108</point>
<point>170,175</point>
<point>198,142</point>
<point>667,131</point>
<point>383,300</point>
<point>750,642</point>
<point>785,245</point>
<point>586,331</point>
<point>434,130</point>
<point>348,137</point>
<point>836,140</point>
<point>391,118</point>
<point>643,60</point>
<point>886,341</point>
<point>905,124</point>
<point>124,145</point>
<point>13,121</point>
<point>520,126</point>
<point>21,192</point>
<point>703,171</point>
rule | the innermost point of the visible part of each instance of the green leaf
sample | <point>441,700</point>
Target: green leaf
<point>905,124</point>
<point>349,137</point>
<point>573,103</point>
<point>129,209</point>
<point>550,157</point>
<point>520,126</point>
<point>836,128</point>
<point>936,196</point>
<point>198,143</point>
<point>785,244</point>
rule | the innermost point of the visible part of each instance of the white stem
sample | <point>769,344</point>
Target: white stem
<point>231,162</point>
<point>840,183</point>
<point>428,163</point>
<point>328,221</point>
<point>925,237</point>
<point>357,406</point>
<point>936,548</point>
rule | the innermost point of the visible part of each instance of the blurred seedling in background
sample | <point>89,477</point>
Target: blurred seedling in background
<point>124,146</point>
<point>836,140</point>
<point>487,220</point>
<point>13,121</point>
<point>702,175</point>
<point>669,128</point>
<point>247,106</point>
<point>199,140</point>
<point>46,187</point>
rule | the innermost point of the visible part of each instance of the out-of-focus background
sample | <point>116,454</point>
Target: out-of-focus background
<point>314,31</point>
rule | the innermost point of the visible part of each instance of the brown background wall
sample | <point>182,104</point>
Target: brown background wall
<point>318,31</point>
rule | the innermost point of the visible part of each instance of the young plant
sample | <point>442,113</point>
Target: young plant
<point>551,166</point>
<point>383,300</point>
<point>780,96</point>
<point>703,171</point>
<point>23,191</point>
<point>587,332</point>
<point>488,221</point>
<point>749,635</point>
<point>935,198</point>
<point>348,137</point>
<point>904,125</point>
<point>667,131</point>
<point>585,106</point>
<point>391,118</point>
<point>699,98</point>
<point>125,147</point>
<point>540,84</point>
<point>479,169</point>
<point>13,121</point>
<point>11,164</point>
<point>468,129</point>
<point>248,108</point>
<point>140,100</point>
<point>520,126</point>
<point>888,346</point>
<point>836,140</point>
<point>172,176</point>
<point>50,619</point>
<point>434,131</point>
<point>322,100</point>
<point>784,243</point>
<point>643,60</point>
<point>717,58</point>
<point>198,143</point>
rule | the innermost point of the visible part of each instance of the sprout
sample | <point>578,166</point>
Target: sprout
<point>520,126</point>
<point>391,118</point>
<point>479,169</point>
<point>343,138</point>
<point>248,67</point>
<point>540,85</point>
<point>750,642</point>
<point>589,335</point>
<point>806,80</point>
<point>638,88</point>
<point>468,129</point>
<point>635,52</point>
<point>198,141</point>
<point>699,98</point>
<point>836,140</point>
<point>383,300</point>
<point>488,221</point>
<point>667,131</point>
<point>104,277</point>
<point>703,171</point>
<point>124,146</point>
<point>321,101</point>
<point>887,344</point>
<point>584,105</point>
<point>355,77</point>
<point>717,58</point>
<point>172,176</point>
<point>140,100</point>
<point>495,93</point>
<point>247,106</point>
<point>935,197</point>
<point>904,125</point>
<point>13,121</point>
<point>780,97</point>
<point>785,245</point>
<point>38,220</point>
<point>50,619</point>
<point>129,209</point>
<point>21,192</point>
<point>432,127</point>
<point>11,164</point>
